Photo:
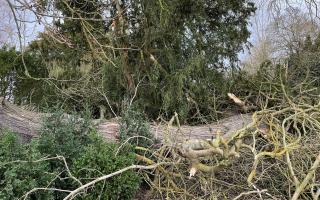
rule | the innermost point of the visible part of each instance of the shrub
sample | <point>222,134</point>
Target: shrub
<point>17,173</point>
<point>134,126</point>
<point>100,158</point>
<point>64,135</point>
<point>86,153</point>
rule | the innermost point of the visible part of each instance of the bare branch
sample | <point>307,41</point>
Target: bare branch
<point>83,187</point>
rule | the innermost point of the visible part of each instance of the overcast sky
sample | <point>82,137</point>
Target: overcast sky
<point>30,28</point>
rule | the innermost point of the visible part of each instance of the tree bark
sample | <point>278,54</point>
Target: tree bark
<point>27,124</point>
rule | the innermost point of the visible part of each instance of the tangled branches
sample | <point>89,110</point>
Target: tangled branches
<point>276,156</point>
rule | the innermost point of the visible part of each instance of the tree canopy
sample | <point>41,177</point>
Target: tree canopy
<point>100,52</point>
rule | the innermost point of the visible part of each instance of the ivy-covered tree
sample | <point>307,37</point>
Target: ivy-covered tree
<point>167,54</point>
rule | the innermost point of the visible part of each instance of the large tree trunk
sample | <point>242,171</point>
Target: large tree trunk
<point>27,124</point>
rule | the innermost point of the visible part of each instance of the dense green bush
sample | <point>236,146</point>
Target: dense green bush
<point>135,128</point>
<point>18,174</point>
<point>64,135</point>
<point>100,158</point>
<point>87,155</point>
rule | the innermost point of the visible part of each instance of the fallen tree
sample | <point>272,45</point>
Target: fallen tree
<point>272,153</point>
<point>192,142</point>
<point>27,123</point>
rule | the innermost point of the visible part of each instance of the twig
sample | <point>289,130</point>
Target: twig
<point>135,92</point>
<point>20,40</point>
<point>108,102</point>
<point>83,187</point>
<point>46,189</point>
<point>47,159</point>
<point>250,192</point>
<point>68,170</point>
<point>127,140</point>
<point>305,181</point>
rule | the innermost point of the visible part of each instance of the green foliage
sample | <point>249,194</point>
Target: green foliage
<point>101,158</point>
<point>14,85</point>
<point>64,135</point>
<point>23,167</point>
<point>176,50</point>
<point>9,144</point>
<point>134,129</point>
<point>18,174</point>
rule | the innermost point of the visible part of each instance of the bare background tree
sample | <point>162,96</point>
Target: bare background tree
<point>279,29</point>
<point>7,28</point>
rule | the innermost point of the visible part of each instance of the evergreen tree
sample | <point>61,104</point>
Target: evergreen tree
<point>173,50</point>
<point>14,85</point>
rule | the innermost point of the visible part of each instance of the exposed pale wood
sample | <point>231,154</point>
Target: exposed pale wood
<point>226,126</point>
<point>27,124</point>
<point>18,120</point>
